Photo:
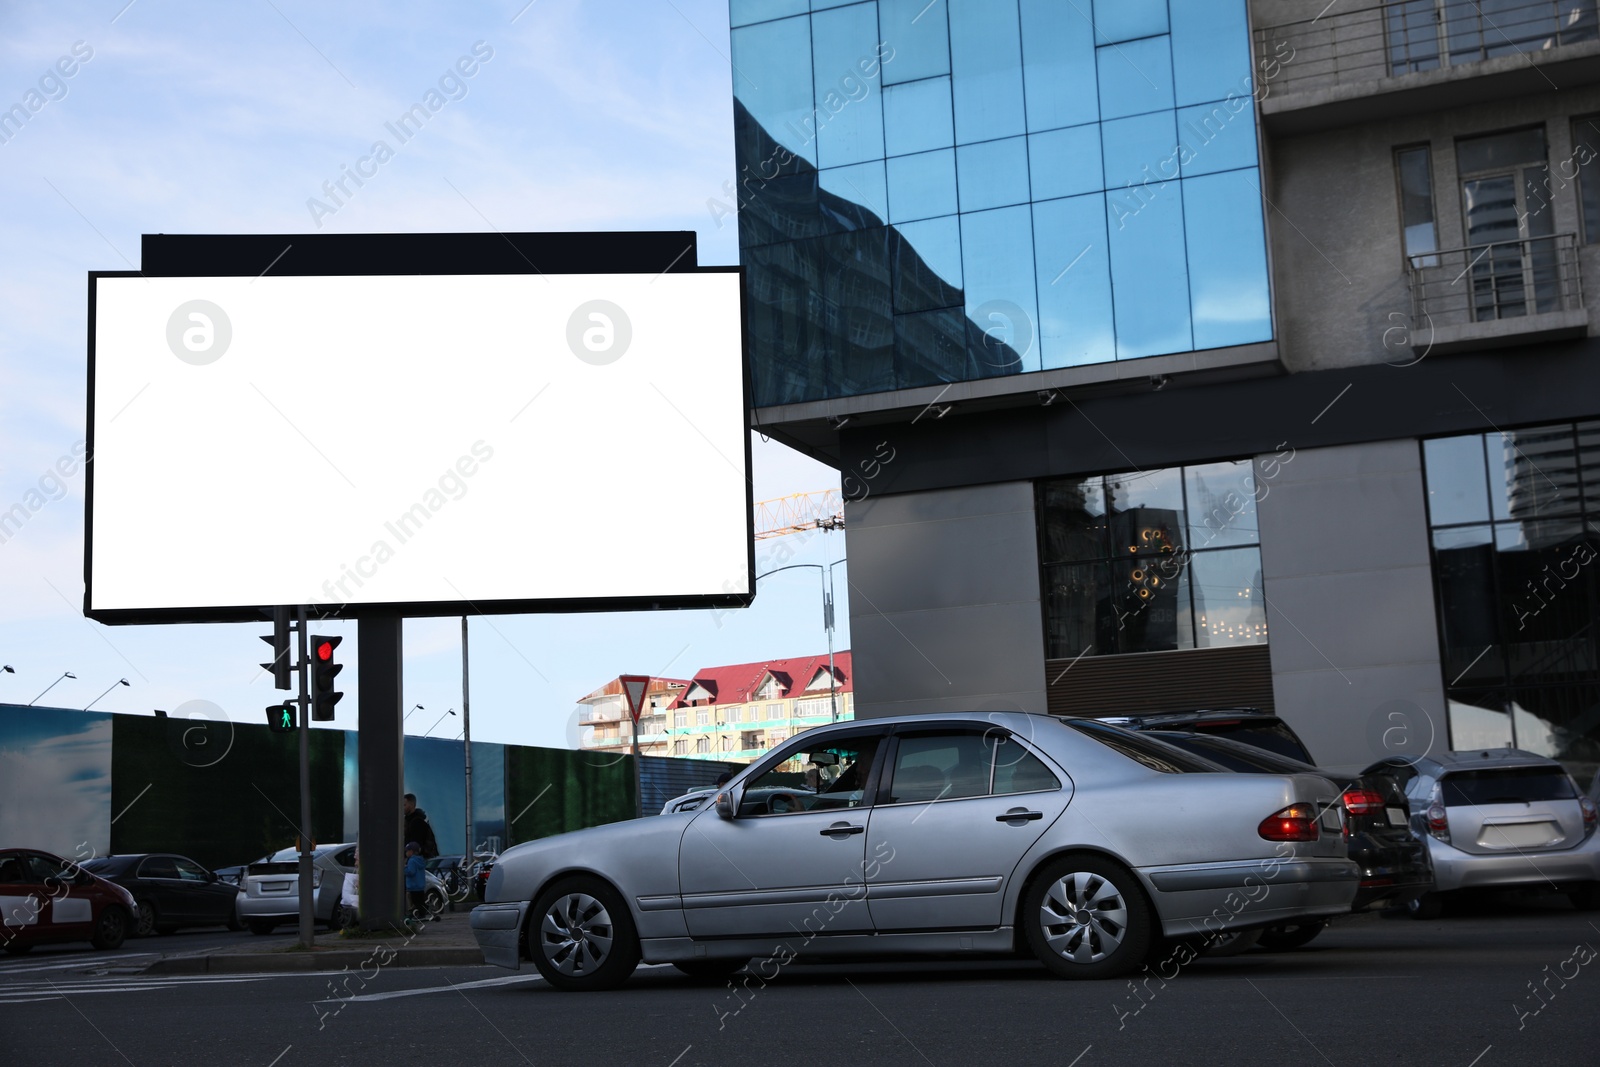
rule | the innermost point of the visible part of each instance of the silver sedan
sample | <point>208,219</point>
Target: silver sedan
<point>1075,841</point>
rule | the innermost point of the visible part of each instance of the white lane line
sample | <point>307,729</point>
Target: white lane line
<point>33,968</point>
<point>484,983</point>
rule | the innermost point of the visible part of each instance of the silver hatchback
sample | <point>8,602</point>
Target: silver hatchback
<point>973,833</point>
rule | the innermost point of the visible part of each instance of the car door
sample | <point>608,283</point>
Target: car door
<point>66,912</point>
<point>157,881</point>
<point>790,861</point>
<point>206,900</point>
<point>958,809</point>
<point>21,902</point>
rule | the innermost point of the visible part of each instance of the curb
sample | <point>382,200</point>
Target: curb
<point>337,960</point>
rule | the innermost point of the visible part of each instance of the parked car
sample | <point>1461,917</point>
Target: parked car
<point>1075,840</point>
<point>1250,726</point>
<point>1501,818</point>
<point>232,875</point>
<point>688,802</point>
<point>44,899</point>
<point>1395,868</point>
<point>170,891</point>
<point>272,887</point>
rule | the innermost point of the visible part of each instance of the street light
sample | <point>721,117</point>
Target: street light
<point>7,669</point>
<point>407,715</point>
<point>825,574</point>
<point>429,730</point>
<point>52,685</point>
<point>109,688</point>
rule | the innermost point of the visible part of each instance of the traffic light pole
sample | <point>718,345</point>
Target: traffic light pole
<point>307,916</point>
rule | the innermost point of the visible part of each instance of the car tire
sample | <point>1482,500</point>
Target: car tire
<point>111,929</point>
<point>145,924</point>
<point>1586,897</point>
<point>581,935</point>
<point>1230,943</point>
<point>1287,936</point>
<point>261,927</point>
<point>711,970</point>
<point>1086,917</point>
<point>1427,906</point>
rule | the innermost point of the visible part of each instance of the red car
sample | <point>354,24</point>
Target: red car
<point>44,898</point>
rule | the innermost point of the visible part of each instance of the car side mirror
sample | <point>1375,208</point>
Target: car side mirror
<point>211,876</point>
<point>728,803</point>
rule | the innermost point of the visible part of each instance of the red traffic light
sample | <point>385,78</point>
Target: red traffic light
<point>322,647</point>
<point>325,651</point>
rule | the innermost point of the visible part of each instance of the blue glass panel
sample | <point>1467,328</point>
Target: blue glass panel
<point>1227,259</point>
<point>846,71</point>
<point>1123,20</point>
<point>744,12</point>
<point>931,347</point>
<point>992,173</point>
<point>922,186</point>
<point>1074,272</point>
<point>823,5</point>
<point>1140,151</point>
<point>1058,65</point>
<point>986,61</point>
<point>1210,50</point>
<point>918,34</point>
<point>997,264</point>
<point>861,184</point>
<point>1149,278</point>
<point>927,264</point>
<point>1135,77</point>
<point>1065,162</point>
<point>1458,487</point>
<point>778,55</point>
<point>1217,137</point>
<point>916,116</point>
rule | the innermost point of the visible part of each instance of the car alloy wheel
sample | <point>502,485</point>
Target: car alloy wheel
<point>583,937</point>
<point>111,929</point>
<point>1085,917</point>
<point>147,920</point>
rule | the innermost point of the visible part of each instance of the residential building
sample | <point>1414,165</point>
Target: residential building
<point>605,724</point>
<point>1179,353</point>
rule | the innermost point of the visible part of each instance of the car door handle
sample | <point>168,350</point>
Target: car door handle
<point>1019,815</point>
<point>843,829</point>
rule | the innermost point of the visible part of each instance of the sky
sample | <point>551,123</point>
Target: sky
<point>162,116</point>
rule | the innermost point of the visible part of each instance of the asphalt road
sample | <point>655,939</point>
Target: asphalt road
<point>1459,991</point>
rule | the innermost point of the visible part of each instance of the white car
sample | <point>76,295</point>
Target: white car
<point>271,887</point>
<point>688,802</point>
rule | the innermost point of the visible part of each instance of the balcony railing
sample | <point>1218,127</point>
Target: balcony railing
<point>1340,47</point>
<point>1522,289</point>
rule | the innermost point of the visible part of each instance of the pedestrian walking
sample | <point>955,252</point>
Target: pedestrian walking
<point>418,828</point>
<point>416,884</point>
<point>350,899</point>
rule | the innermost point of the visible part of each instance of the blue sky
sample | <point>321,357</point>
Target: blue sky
<point>229,118</point>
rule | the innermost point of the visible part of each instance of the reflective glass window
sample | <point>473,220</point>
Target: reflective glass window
<point>1058,65</point>
<point>986,65</point>
<point>1216,137</point>
<point>1533,472</point>
<point>1419,231</point>
<point>1211,51</point>
<point>1497,151</point>
<point>1149,273</point>
<point>744,12</point>
<point>1016,770</point>
<point>1124,20</point>
<point>1074,281</point>
<point>1457,482</point>
<point>1585,162</point>
<point>844,45</point>
<point>992,174</point>
<point>775,86</point>
<point>1228,603</point>
<point>1141,152</point>
<point>862,184</point>
<point>1135,77</point>
<point>931,347</point>
<point>1079,615</point>
<point>1222,505</point>
<point>918,34</point>
<point>922,186</point>
<point>1151,601</point>
<point>1588,464</point>
<point>1147,513</point>
<point>1065,162</point>
<point>1227,259</point>
<point>916,116</point>
<point>945,766</point>
<point>927,264</point>
<point>1073,516</point>
<point>1464,570</point>
<point>997,264</point>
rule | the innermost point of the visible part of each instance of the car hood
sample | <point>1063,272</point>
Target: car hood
<point>639,856</point>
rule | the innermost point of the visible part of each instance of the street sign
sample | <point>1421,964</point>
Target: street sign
<point>633,687</point>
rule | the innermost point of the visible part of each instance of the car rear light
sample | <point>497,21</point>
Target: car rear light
<point>1297,822</point>
<point>1438,817</point>
<point>1591,816</point>
<point>1362,801</point>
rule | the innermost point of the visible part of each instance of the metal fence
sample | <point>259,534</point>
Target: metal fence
<point>1499,280</point>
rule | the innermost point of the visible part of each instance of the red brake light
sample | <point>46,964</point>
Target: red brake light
<point>1297,822</point>
<point>1362,801</point>
<point>1591,816</point>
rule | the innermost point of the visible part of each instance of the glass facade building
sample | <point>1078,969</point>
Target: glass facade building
<point>964,189</point>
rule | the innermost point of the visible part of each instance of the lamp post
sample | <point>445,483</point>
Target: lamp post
<point>414,707</point>
<point>466,732</point>
<point>441,718</point>
<point>109,688</point>
<point>7,669</point>
<point>52,685</point>
<point>825,575</point>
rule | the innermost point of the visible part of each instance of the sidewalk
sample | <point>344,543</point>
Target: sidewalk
<point>446,943</point>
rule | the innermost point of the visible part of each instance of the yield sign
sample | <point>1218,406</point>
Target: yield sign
<point>633,687</point>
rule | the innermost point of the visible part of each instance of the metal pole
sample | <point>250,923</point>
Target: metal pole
<point>466,733</point>
<point>827,624</point>
<point>307,918</point>
<point>638,775</point>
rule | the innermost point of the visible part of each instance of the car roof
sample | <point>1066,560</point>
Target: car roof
<point>1152,718</point>
<point>1472,759</point>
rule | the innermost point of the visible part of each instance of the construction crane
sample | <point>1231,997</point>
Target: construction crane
<point>801,511</point>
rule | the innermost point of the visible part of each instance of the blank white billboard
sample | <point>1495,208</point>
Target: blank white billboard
<point>461,442</point>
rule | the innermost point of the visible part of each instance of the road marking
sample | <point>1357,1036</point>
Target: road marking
<point>484,983</point>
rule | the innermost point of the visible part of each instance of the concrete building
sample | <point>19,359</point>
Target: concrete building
<point>1185,353</point>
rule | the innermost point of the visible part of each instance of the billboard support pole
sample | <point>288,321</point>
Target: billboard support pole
<point>382,767</point>
<point>466,734</point>
<point>307,918</point>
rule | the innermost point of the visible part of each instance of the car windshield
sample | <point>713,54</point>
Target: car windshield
<point>1507,785</point>
<point>1148,752</point>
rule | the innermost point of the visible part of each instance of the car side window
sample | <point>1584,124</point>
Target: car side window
<point>158,867</point>
<point>346,857</point>
<point>189,870</point>
<point>827,776</point>
<point>1016,770</point>
<point>11,872</point>
<point>940,766</point>
<point>41,869</point>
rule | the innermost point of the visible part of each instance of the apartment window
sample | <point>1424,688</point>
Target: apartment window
<point>702,744</point>
<point>1509,223</point>
<point>735,714</point>
<point>1415,172</point>
<point>750,739</point>
<point>680,747</point>
<point>1585,162</point>
<point>774,712</point>
<point>727,744</point>
<point>680,719</point>
<point>702,716</point>
<point>776,736</point>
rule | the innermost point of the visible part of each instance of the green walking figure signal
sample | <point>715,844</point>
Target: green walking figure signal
<point>283,717</point>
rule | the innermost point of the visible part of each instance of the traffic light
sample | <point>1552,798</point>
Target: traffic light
<point>282,717</point>
<point>279,640</point>
<point>323,672</point>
